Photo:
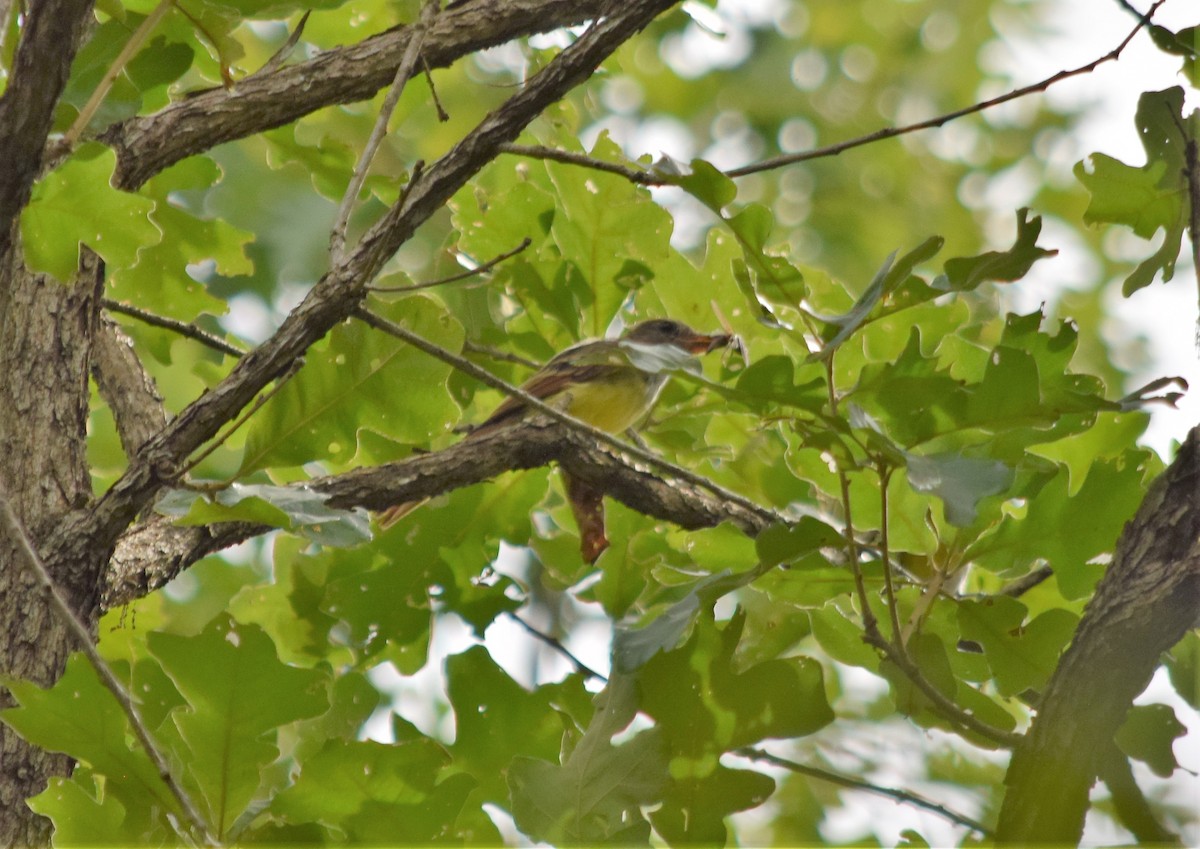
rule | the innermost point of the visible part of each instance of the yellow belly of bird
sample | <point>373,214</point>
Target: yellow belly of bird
<point>614,404</point>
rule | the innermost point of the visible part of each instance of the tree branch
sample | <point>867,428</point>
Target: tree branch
<point>49,38</point>
<point>183,328</point>
<point>125,386</point>
<point>339,291</point>
<point>146,145</point>
<point>154,550</point>
<point>1144,604</point>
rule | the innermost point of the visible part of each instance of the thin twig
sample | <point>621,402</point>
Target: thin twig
<point>645,178</point>
<point>902,796</point>
<point>469,368</point>
<point>337,236</point>
<point>892,132</point>
<point>183,328</point>
<point>869,623</point>
<point>442,114</point>
<point>80,632</point>
<point>557,645</point>
<point>463,275</point>
<point>653,178</point>
<point>885,475</point>
<point>941,703</point>
<point>501,356</point>
<point>132,46</point>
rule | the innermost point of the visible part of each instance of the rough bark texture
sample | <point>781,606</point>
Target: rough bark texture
<point>148,144</point>
<point>46,328</point>
<point>1146,602</point>
<point>154,551</point>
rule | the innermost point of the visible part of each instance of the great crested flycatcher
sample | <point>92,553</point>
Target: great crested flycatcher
<point>610,384</point>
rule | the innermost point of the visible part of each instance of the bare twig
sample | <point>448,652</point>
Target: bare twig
<point>534,403</point>
<point>337,236</point>
<point>644,178</point>
<point>79,631</point>
<point>442,114</point>
<point>501,356</point>
<point>652,178</point>
<point>902,796</point>
<point>183,328</point>
<point>454,278</point>
<point>892,132</point>
<point>557,645</point>
<point>132,46</point>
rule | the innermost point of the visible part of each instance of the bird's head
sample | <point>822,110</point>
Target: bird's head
<point>664,331</point>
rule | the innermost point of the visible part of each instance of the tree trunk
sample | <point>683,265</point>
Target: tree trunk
<point>1146,602</point>
<point>47,329</point>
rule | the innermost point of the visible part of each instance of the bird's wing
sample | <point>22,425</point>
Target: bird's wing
<point>579,364</point>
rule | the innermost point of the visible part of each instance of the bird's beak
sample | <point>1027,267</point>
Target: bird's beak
<point>698,343</point>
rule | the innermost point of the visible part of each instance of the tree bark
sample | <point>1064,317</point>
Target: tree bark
<point>1145,603</point>
<point>47,328</point>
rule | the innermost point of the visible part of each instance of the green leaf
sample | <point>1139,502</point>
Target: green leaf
<point>1148,735</point>
<point>1153,196</point>
<point>296,508</point>
<point>887,279</point>
<point>632,648</point>
<point>345,775</point>
<point>80,717</point>
<point>115,224</point>
<point>238,695</point>
<point>694,809</point>
<point>601,223</point>
<point>596,795</point>
<point>496,720</point>
<point>961,482</point>
<point>1021,656</point>
<point>81,818</point>
<point>964,274</point>
<point>782,543</point>
<point>1183,666</point>
<point>361,378</point>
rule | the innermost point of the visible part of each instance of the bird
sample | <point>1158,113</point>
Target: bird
<point>610,384</point>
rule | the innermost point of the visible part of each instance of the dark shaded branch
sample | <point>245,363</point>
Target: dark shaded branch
<point>1144,604</point>
<point>340,291</point>
<point>154,551</point>
<point>49,38</point>
<point>147,145</point>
